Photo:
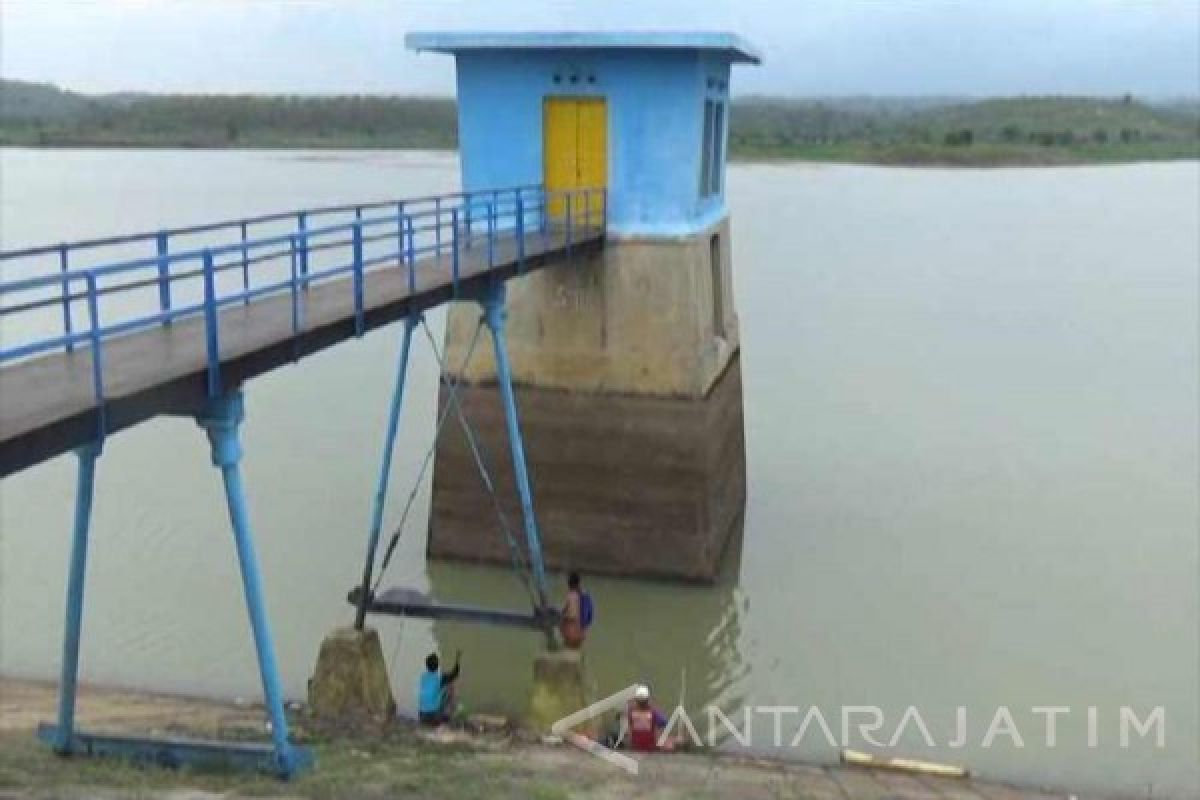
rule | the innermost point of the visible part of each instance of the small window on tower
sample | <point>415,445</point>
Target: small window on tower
<point>718,285</point>
<point>718,136</point>
<point>706,150</point>
<point>712,164</point>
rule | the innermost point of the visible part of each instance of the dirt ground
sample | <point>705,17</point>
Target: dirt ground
<point>405,763</point>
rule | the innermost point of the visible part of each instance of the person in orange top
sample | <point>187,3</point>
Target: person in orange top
<point>577,613</point>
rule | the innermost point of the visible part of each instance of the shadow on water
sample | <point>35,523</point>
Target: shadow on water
<point>683,640</point>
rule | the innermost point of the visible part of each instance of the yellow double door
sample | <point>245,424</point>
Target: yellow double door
<point>575,156</point>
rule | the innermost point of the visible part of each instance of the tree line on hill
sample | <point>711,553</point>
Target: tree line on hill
<point>764,123</point>
<point>855,128</point>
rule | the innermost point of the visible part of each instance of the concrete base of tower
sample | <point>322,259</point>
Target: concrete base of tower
<point>623,484</point>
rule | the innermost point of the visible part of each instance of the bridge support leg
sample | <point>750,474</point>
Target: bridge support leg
<point>493,303</point>
<point>84,490</point>
<point>350,683</point>
<point>385,469</point>
<point>221,421</point>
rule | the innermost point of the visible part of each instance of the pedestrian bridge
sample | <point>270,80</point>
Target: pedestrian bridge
<point>100,335</point>
<point>103,334</point>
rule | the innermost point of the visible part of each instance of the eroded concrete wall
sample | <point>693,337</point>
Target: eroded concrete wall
<point>630,397</point>
<point>622,484</point>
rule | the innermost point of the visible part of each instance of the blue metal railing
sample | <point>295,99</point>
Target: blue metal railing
<point>157,278</point>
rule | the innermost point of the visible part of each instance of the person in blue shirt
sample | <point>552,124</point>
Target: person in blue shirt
<point>435,691</point>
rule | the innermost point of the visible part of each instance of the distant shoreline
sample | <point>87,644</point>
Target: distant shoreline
<point>933,156</point>
<point>1025,131</point>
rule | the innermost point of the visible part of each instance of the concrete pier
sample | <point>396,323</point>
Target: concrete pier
<point>630,396</point>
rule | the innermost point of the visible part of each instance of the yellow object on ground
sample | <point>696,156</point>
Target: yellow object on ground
<point>858,759</point>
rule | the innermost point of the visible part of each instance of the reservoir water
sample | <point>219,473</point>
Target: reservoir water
<point>971,429</point>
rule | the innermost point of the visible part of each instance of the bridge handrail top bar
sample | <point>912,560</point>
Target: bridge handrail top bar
<point>145,262</point>
<point>82,274</point>
<point>278,216</point>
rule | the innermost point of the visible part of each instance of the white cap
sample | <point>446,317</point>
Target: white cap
<point>642,692</point>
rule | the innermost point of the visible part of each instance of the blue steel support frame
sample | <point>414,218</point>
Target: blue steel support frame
<point>221,421</point>
<point>63,738</point>
<point>385,469</point>
<point>495,313</point>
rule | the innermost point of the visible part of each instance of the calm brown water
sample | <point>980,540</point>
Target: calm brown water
<point>971,419</point>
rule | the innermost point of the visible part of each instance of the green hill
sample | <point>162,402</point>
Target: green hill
<point>42,115</point>
<point>33,101</point>
<point>1015,130</point>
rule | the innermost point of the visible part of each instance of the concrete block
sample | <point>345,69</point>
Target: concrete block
<point>558,688</point>
<point>350,683</point>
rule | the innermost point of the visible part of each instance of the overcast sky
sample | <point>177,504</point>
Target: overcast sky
<point>812,47</point>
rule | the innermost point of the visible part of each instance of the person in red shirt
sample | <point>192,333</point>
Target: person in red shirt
<point>646,723</point>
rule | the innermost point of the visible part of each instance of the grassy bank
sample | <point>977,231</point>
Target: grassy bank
<point>398,765</point>
<point>956,132</point>
<point>404,762</point>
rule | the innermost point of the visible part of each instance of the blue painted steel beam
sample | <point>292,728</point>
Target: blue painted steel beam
<point>164,273</point>
<point>302,229</point>
<point>246,260</point>
<point>166,752</point>
<point>385,468</point>
<point>66,297</point>
<point>72,629</point>
<point>221,421</point>
<point>357,283</point>
<point>411,603</point>
<point>97,354</point>
<point>493,303</point>
<point>212,346</point>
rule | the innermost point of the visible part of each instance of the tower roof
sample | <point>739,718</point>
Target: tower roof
<point>737,49</point>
